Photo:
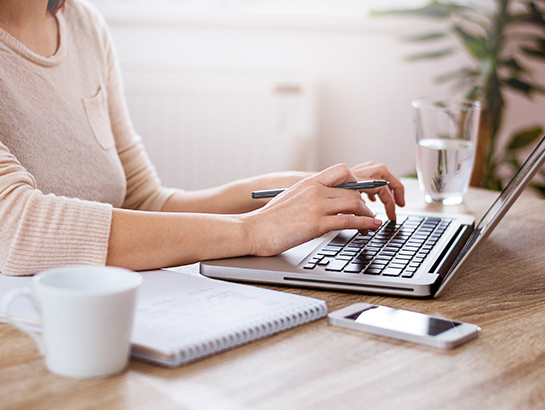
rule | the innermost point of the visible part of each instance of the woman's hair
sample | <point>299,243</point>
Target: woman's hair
<point>55,5</point>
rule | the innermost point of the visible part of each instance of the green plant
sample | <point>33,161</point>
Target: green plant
<point>499,37</point>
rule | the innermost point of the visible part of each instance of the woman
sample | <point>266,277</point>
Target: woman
<point>76,186</point>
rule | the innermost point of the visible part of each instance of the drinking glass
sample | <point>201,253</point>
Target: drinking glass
<point>446,135</point>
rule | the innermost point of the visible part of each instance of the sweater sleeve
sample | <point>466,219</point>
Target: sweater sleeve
<point>43,231</point>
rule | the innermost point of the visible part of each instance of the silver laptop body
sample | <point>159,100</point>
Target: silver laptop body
<point>455,239</point>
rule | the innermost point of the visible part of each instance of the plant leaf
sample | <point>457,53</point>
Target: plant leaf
<point>538,50</point>
<point>513,64</point>
<point>476,46</point>
<point>533,52</point>
<point>466,72</point>
<point>523,86</point>
<point>533,16</point>
<point>540,188</point>
<point>433,9</point>
<point>427,37</point>
<point>540,42</point>
<point>513,162</point>
<point>536,15</point>
<point>473,93</point>
<point>431,54</point>
<point>524,138</point>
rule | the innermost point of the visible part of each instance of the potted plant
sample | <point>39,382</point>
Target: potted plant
<point>499,37</point>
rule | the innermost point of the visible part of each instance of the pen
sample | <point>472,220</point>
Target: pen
<point>349,185</point>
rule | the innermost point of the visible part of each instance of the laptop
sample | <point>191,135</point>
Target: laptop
<point>418,255</point>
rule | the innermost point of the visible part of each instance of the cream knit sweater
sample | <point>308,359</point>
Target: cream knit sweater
<point>68,151</point>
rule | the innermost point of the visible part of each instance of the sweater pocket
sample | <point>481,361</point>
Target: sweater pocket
<point>96,109</point>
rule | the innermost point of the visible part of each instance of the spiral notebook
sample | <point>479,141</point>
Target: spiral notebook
<point>182,317</point>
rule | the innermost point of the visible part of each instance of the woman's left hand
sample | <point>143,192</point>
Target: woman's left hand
<point>390,195</point>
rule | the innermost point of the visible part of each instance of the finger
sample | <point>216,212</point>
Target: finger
<point>347,204</point>
<point>380,171</point>
<point>349,221</point>
<point>387,199</point>
<point>395,185</point>
<point>335,175</point>
<point>362,168</point>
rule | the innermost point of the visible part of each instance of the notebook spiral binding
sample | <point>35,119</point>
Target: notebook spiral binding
<point>200,348</point>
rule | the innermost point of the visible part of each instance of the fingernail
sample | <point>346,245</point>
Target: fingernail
<point>377,222</point>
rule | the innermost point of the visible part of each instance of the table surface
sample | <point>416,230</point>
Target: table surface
<point>317,366</point>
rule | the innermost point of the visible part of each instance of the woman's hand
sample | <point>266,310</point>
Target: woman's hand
<point>390,195</point>
<point>306,211</point>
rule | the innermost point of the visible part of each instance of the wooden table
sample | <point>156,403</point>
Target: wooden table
<point>318,366</point>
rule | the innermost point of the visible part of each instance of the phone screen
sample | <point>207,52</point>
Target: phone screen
<point>402,320</point>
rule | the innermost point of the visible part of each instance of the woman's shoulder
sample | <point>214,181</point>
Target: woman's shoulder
<point>85,26</point>
<point>82,13</point>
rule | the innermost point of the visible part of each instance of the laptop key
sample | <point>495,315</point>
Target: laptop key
<point>323,262</point>
<point>327,252</point>
<point>364,257</point>
<point>404,256</point>
<point>376,266</point>
<point>392,272</point>
<point>372,271</point>
<point>336,265</point>
<point>354,268</point>
<point>342,239</point>
<point>408,274</point>
<point>344,257</point>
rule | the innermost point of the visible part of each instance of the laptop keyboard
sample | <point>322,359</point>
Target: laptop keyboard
<point>397,249</point>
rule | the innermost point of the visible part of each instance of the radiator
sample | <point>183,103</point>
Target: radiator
<point>204,131</point>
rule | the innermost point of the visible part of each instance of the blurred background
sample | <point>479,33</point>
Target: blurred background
<point>225,89</point>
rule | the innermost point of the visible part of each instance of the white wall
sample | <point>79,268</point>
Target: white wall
<point>366,89</point>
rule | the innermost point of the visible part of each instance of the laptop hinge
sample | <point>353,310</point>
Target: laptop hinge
<point>451,251</point>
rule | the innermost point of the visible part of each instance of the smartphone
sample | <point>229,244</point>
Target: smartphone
<point>404,325</point>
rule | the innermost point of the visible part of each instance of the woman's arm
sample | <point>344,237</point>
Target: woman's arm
<point>310,208</point>
<point>234,197</point>
<point>41,231</point>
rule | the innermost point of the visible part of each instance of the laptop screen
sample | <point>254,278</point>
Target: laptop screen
<point>499,208</point>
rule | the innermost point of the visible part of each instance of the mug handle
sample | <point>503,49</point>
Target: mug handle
<point>9,297</point>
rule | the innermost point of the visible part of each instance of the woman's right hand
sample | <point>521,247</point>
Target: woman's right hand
<point>307,210</point>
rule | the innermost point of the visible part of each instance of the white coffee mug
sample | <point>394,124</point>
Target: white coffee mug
<point>86,318</point>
